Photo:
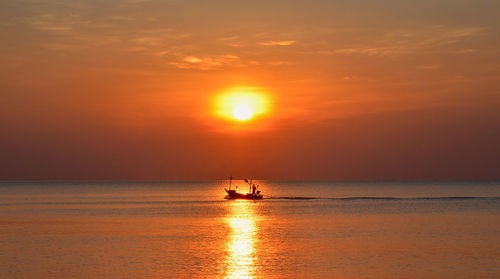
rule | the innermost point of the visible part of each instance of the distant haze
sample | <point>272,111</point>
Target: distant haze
<point>121,90</point>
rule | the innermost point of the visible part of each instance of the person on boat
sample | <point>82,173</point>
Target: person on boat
<point>253,189</point>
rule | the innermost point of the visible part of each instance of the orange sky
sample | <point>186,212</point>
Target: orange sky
<point>355,90</point>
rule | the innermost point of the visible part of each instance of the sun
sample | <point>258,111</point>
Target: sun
<point>241,104</point>
<point>242,112</point>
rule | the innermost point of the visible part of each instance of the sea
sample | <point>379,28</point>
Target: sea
<point>301,229</point>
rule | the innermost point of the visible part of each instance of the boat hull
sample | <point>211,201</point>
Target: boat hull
<point>233,195</point>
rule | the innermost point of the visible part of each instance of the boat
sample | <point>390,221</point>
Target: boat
<point>253,192</point>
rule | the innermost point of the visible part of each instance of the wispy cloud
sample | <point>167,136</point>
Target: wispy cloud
<point>205,63</point>
<point>236,44</point>
<point>57,24</point>
<point>279,63</point>
<point>277,43</point>
<point>231,38</point>
<point>159,37</point>
<point>466,51</point>
<point>398,43</point>
<point>369,51</point>
<point>429,67</point>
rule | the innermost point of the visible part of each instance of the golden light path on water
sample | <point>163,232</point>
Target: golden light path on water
<point>241,260</point>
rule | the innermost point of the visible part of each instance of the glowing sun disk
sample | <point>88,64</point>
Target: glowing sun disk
<point>242,112</point>
<point>241,104</point>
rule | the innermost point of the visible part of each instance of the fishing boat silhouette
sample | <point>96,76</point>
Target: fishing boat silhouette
<point>253,192</point>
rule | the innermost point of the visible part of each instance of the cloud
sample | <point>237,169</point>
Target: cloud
<point>225,39</point>
<point>465,51</point>
<point>56,23</point>
<point>121,18</point>
<point>159,37</point>
<point>162,52</point>
<point>277,43</point>
<point>205,63</point>
<point>280,63</point>
<point>375,51</point>
<point>430,67</point>
<point>397,43</point>
<point>235,44</point>
<point>254,63</point>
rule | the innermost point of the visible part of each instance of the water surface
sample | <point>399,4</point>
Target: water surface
<point>301,230</point>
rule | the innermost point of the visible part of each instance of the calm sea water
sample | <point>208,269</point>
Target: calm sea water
<point>302,230</point>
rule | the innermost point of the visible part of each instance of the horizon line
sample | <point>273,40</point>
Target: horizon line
<point>277,180</point>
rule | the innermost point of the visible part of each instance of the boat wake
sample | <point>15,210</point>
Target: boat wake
<point>384,198</point>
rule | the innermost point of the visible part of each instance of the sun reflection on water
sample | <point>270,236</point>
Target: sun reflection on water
<point>241,259</point>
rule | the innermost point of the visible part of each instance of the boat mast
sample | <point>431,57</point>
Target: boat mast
<point>230,180</point>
